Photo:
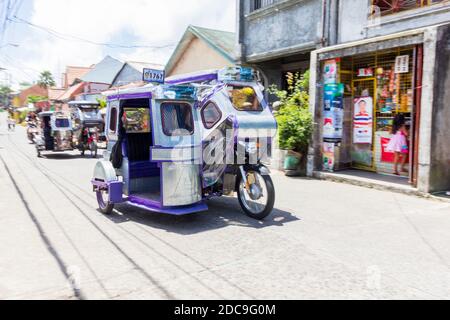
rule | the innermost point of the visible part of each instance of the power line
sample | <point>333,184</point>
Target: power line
<point>68,37</point>
<point>10,9</point>
<point>12,64</point>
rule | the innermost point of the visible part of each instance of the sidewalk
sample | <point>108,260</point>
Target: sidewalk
<point>375,181</point>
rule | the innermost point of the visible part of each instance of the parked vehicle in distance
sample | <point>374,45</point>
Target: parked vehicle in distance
<point>88,124</point>
<point>174,146</point>
<point>56,133</point>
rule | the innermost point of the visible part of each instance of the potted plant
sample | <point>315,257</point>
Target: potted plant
<point>294,120</point>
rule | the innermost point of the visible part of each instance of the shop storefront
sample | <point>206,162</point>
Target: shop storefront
<point>358,88</point>
<point>361,96</point>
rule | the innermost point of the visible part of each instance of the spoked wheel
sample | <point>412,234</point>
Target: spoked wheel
<point>257,197</point>
<point>104,205</point>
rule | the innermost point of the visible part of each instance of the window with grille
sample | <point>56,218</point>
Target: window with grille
<point>259,4</point>
<point>387,7</point>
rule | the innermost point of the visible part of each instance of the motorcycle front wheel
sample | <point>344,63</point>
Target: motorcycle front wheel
<point>257,198</point>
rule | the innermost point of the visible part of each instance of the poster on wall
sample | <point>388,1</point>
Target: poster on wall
<point>328,156</point>
<point>402,64</point>
<point>333,111</point>
<point>363,120</point>
<point>330,71</point>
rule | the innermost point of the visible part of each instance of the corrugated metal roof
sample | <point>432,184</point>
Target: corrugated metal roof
<point>105,71</point>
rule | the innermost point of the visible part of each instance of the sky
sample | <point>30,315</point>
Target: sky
<point>51,34</point>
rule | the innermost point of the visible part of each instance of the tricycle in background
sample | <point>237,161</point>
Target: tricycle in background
<point>55,134</point>
<point>88,123</point>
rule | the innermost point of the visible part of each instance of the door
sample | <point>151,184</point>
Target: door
<point>177,151</point>
<point>363,124</point>
<point>218,141</point>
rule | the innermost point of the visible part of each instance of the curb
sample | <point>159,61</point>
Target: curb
<point>376,186</point>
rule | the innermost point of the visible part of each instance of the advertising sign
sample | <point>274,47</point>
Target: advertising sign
<point>153,75</point>
<point>328,156</point>
<point>330,71</point>
<point>333,111</point>
<point>363,121</point>
<point>402,64</point>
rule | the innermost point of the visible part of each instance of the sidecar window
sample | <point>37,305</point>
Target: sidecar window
<point>177,119</point>
<point>62,123</point>
<point>244,98</point>
<point>137,120</point>
<point>211,115</point>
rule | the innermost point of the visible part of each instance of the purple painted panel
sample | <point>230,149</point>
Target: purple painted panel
<point>155,207</point>
<point>144,202</point>
<point>116,192</point>
<point>124,96</point>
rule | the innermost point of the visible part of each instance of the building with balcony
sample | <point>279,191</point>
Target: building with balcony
<point>277,36</point>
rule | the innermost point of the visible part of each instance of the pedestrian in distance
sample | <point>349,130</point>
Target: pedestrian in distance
<point>11,123</point>
<point>399,144</point>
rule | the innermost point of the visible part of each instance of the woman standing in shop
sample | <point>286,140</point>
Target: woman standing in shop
<point>399,143</point>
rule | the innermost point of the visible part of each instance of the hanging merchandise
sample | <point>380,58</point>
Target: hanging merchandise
<point>363,121</point>
<point>333,111</point>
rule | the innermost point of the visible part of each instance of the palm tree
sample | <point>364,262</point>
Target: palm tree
<point>46,80</point>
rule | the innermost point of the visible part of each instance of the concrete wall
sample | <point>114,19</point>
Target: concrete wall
<point>286,24</point>
<point>354,22</point>
<point>199,56</point>
<point>440,136</point>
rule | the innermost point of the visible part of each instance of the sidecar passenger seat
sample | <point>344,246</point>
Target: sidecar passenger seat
<point>138,154</point>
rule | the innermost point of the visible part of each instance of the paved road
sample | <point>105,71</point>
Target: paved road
<point>323,241</point>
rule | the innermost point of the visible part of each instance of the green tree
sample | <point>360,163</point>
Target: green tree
<point>34,99</point>
<point>46,80</point>
<point>294,119</point>
<point>102,103</point>
<point>5,93</point>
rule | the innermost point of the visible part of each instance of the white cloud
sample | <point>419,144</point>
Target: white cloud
<point>149,22</point>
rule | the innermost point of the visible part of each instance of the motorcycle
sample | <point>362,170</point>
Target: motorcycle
<point>32,131</point>
<point>89,142</point>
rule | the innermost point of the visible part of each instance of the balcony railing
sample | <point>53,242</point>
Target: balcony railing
<point>387,7</point>
<point>259,4</point>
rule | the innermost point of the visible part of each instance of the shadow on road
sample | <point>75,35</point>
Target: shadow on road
<point>67,156</point>
<point>223,212</point>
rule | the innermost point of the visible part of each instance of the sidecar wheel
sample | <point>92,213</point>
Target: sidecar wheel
<point>103,204</point>
<point>257,206</point>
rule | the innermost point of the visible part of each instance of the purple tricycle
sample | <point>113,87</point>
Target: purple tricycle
<point>173,146</point>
